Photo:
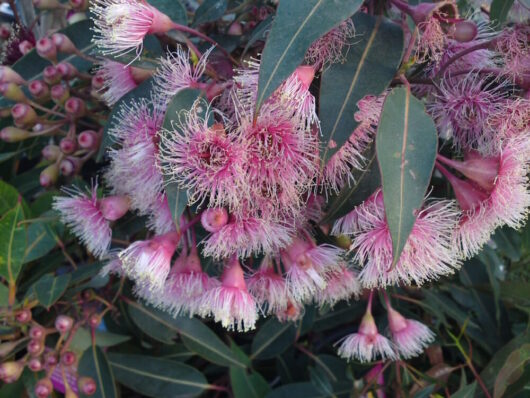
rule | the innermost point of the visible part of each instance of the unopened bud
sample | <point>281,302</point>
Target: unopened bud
<point>214,218</point>
<point>88,139</point>
<point>63,323</point>
<point>51,75</point>
<point>79,5</point>
<point>68,145</point>
<point>87,385</point>
<point>46,49</point>
<point>8,75</point>
<point>305,74</point>
<point>98,82</point>
<point>140,75</point>
<point>236,29</point>
<point>35,364</point>
<point>43,388</point>
<point>10,371</point>
<point>68,358</point>
<point>63,43</point>
<point>35,347</point>
<point>5,31</point>
<point>12,92</point>
<point>47,4</point>
<point>51,152</point>
<point>70,166</point>
<point>50,359</point>
<point>13,134</point>
<point>23,115</point>
<point>67,70</point>
<point>94,321</point>
<point>113,207</point>
<point>25,46</point>
<point>75,106</point>
<point>463,31</point>
<point>23,316</point>
<point>39,89</point>
<point>60,94</point>
<point>49,175</point>
<point>36,332</point>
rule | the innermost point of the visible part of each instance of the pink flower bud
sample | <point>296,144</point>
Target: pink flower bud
<point>35,364</point>
<point>67,70</point>
<point>8,75</point>
<point>305,74</point>
<point>43,388</point>
<point>70,166</point>
<point>68,358</point>
<point>214,218</point>
<point>68,145</point>
<point>60,93</point>
<point>63,43</point>
<point>236,29</point>
<point>23,115</point>
<point>88,139</point>
<point>39,89</point>
<point>51,152</point>
<point>63,323</point>
<point>25,47</point>
<point>36,332</point>
<point>50,359</point>
<point>12,92</point>
<point>233,275</point>
<point>35,347</point>
<point>463,31</point>
<point>368,326</point>
<point>98,82</point>
<point>5,31</point>
<point>75,106</point>
<point>49,175</point>
<point>46,49</point>
<point>13,134</point>
<point>94,321</point>
<point>87,385</point>
<point>114,207</point>
<point>51,75</point>
<point>23,316</point>
<point>10,371</point>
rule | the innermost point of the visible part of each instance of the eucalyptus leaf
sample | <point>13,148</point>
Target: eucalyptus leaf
<point>12,243</point>
<point>93,363</point>
<point>499,10</point>
<point>209,10</point>
<point>272,338</point>
<point>50,288</point>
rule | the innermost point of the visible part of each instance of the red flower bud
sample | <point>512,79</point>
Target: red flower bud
<point>23,115</point>
<point>87,385</point>
<point>51,75</point>
<point>39,89</point>
<point>25,47</point>
<point>67,70</point>
<point>50,359</point>
<point>8,75</point>
<point>13,134</point>
<point>63,323</point>
<point>35,364</point>
<point>35,347</point>
<point>49,175</point>
<point>463,31</point>
<point>12,92</point>
<point>46,49</point>
<point>60,94</point>
<point>68,145</point>
<point>88,139</point>
<point>36,332</point>
<point>23,316</point>
<point>70,166</point>
<point>68,358</point>
<point>114,207</point>
<point>75,106</point>
<point>43,388</point>
<point>51,152</point>
<point>10,371</point>
<point>63,43</point>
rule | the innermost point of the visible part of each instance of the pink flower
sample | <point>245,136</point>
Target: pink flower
<point>307,267</point>
<point>148,261</point>
<point>160,217</point>
<point>292,313</point>
<point>329,48</point>
<point>119,79</point>
<point>121,25</point>
<point>341,285</point>
<point>410,337</point>
<point>231,303</point>
<point>214,218</point>
<point>427,254</point>
<point>269,288</point>
<point>206,160</point>
<point>510,120</point>
<point>89,217</point>
<point>461,107</point>
<point>513,46</point>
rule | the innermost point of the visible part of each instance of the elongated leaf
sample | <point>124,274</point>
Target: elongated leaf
<point>511,371</point>
<point>156,330</point>
<point>371,63</point>
<point>8,197</point>
<point>83,340</point>
<point>406,146</point>
<point>195,335</point>
<point>466,391</point>
<point>157,377</point>
<point>12,244</point>
<point>260,33</point>
<point>42,238</point>
<point>308,390</point>
<point>272,339</point>
<point>247,384</point>
<point>499,11</point>
<point>296,26</point>
<point>172,8</point>
<point>94,364</point>
<point>209,10</point>
<point>49,288</point>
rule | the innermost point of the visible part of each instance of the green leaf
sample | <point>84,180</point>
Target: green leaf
<point>4,295</point>
<point>49,288</point>
<point>296,26</point>
<point>8,197</point>
<point>94,364</point>
<point>308,390</point>
<point>155,330</point>
<point>321,381</point>
<point>512,370</point>
<point>196,336</point>
<point>42,239</point>
<point>406,145</point>
<point>499,10</point>
<point>155,377</point>
<point>12,244</point>
<point>259,33</point>
<point>246,383</point>
<point>272,338</point>
<point>209,10</point>
<point>83,339</point>
<point>367,180</point>
<point>508,242</point>
<point>466,391</point>
<point>173,9</point>
<point>370,65</point>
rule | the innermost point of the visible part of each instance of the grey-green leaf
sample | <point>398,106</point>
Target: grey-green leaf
<point>247,384</point>
<point>12,244</point>
<point>94,364</point>
<point>272,338</point>
<point>371,63</point>
<point>49,288</point>
<point>406,146</point>
<point>155,330</point>
<point>296,26</point>
<point>467,391</point>
<point>499,10</point>
<point>209,10</point>
<point>155,377</point>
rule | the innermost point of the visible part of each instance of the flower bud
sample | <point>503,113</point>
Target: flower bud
<point>8,75</point>
<point>114,207</point>
<point>68,358</point>
<point>23,316</point>
<point>43,388</point>
<point>50,359</point>
<point>35,347</point>
<point>88,139</point>
<point>63,43</point>
<point>35,364</point>
<point>60,94</point>
<point>236,29</point>
<point>5,31</point>
<point>47,4</point>
<point>36,332</point>
<point>25,46</point>
<point>63,323</point>
<point>94,321</point>
<point>87,385</point>
<point>51,152</point>
<point>80,5</point>
<point>10,371</point>
<point>13,134</point>
<point>49,175</point>
<point>98,82</point>
<point>70,166</point>
<point>68,145</point>
<point>39,89</point>
<point>214,218</point>
<point>46,49</point>
<point>305,74</point>
<point>75,107</point>
<point>67,70</point>
<point>463,31</point>
<point>51,75</point>
<point>23,115</point>
<point>12,92</point>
